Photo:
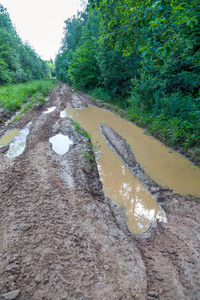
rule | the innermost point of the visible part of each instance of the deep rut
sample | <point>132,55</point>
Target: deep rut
<point>61,239</point>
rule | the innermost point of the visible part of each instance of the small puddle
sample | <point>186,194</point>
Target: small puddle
<point>60,143</point>
<point>49,110</point>
<point>18,144</point>
<point>119,184</point>
<point>8,137</point>
<point>63,114</point>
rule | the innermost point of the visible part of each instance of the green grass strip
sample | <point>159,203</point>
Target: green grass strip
<point>23,96</point>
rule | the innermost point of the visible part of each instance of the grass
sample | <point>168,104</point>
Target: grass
<point>90,149</point>
<point>99,93</point>
<point>89,156</point>
<point>173,118</point>
<point>174,132</point>
<point>24,96</point>
<point>112,103</point>
<point>80,130</point>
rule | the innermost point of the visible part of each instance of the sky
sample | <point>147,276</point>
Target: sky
<point>41,22</point>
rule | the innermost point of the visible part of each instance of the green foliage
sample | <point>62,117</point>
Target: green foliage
<point>18,61</point>
<point>143,56</point>
<point>86,63</point>
<point>88,154</point>
<point>62,65</point>
<point>150,24</point>
<point>117,71</point>
<point>51,68</point>
<point>83,68</point>
<point>72,40</point>
<point>100,94</point>
<point>24,96</point>
<point>175,123</point>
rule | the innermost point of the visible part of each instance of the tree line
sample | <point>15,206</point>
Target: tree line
<point>18,61</point>
<point>144,54</point>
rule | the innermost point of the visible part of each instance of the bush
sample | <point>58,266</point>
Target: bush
<point>83,68</point>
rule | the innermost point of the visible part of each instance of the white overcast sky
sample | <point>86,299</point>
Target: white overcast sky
<point>41,22</point>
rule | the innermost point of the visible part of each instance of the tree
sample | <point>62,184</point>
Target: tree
<point>18,61</point>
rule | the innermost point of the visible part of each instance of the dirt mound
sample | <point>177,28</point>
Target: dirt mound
<point>116,142</point>
<point>120,146</point>
<point>61,239</point>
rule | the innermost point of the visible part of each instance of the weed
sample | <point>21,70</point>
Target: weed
<point>80,130</point>
<point>89,156</point>
<point>96,147</point>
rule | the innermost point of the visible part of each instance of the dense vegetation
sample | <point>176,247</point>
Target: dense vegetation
<point>23,96</point>
<point>22,72</point>
<point>18,61</point>
<point>143,55</point>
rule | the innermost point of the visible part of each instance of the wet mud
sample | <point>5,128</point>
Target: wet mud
<point>120,146</point>
<point>60,238</point>
<point>4,116</point>
<point>119,184</point>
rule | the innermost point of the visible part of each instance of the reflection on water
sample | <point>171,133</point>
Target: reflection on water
<point>8,137</point>
<point>49,110</point>
<point>63,114</point>
<point>119,184</point>
<point>60,143</point>
<point>18,144</point>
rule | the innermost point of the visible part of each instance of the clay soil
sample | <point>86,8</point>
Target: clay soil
<point>61,239</point>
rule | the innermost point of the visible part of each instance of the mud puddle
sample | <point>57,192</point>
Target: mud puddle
<point>17,140</point>
<point>119,184</point>
<point>60,143</point>
<point>162,164</point>
<point>49,110</point>
<point>8,137</point>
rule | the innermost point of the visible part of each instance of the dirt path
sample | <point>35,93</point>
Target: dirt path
<point>61,239</point>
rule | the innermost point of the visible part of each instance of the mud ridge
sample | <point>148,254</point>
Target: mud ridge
<point>118,144</point>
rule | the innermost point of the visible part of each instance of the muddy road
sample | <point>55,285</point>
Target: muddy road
<point>61,239</point>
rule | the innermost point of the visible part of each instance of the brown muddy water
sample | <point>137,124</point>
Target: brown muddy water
<point>162,164</point>
<point>17,140</point>
<point>119,184</point>
<point>8,137</point>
